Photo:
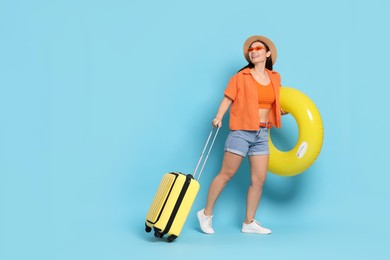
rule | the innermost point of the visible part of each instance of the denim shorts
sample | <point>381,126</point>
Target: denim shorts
<point>248,142</point>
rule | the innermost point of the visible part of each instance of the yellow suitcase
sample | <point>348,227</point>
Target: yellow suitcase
<point>174,198</point>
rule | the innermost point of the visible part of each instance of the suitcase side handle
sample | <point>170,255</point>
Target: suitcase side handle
<point>208,153</point>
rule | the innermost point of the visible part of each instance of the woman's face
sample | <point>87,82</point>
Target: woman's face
<point>258,53</point>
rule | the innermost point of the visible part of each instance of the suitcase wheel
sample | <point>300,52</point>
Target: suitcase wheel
<point>158,234</point>
<point>148,229</point>
<point>171,238</point>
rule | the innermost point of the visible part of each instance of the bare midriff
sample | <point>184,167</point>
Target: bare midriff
<point>263,115</point>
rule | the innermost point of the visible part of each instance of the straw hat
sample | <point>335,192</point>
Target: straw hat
<point>267,41</point>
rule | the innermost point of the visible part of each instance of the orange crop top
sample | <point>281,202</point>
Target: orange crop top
<point>266,95</point>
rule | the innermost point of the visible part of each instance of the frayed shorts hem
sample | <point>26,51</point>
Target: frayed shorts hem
<point>235,152</point>
<point>258,153</point>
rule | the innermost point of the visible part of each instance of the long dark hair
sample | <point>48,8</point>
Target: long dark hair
<point>268,62</point>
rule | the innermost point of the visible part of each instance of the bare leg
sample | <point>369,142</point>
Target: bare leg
<point>258,169</point>
<point>230,164</point>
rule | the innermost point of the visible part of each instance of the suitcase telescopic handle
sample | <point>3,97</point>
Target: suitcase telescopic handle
<point>208,153</point>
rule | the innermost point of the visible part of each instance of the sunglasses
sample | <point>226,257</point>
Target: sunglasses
<point>257,48</point>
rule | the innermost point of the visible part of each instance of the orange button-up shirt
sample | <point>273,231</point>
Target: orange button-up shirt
<point>244,111</point>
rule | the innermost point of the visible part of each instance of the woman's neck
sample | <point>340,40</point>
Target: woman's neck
<point>259,68</point>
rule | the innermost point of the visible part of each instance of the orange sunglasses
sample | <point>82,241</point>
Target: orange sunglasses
<point>257,48</point>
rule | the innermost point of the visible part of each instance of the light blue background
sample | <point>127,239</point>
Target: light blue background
<point>99,98</point>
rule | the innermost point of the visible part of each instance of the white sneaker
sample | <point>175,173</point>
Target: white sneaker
<point>255,227</point>
<point>205,222</point>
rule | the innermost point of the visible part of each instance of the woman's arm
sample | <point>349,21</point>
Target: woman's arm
<point>223,107</point>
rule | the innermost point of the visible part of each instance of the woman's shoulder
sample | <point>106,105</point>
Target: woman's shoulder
<point>273,72</point>
<point>240,74</point>
<point>246,71</point>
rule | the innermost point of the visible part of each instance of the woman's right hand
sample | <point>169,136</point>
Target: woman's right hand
<point>217,122</point>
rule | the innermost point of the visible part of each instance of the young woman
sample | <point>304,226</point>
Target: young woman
<point>253,94</point>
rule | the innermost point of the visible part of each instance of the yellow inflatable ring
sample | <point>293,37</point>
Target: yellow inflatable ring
<point>310,135</point>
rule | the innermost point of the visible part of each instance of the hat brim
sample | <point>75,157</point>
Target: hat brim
<point>267,41</point>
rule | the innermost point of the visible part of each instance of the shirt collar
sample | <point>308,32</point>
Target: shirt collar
<point>247,71</point>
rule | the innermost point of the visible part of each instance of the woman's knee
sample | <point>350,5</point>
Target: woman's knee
<point>226,175</point>
<point>257,182</point>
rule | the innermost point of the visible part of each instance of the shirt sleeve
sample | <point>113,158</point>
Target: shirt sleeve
<point>232,89</point>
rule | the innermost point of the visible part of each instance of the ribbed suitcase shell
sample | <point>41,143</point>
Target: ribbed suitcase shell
<point>171,204</point>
